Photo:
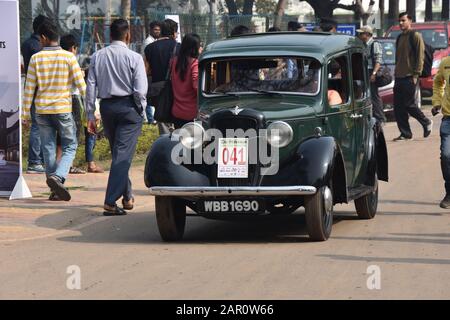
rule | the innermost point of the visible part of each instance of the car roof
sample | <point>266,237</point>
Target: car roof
<point>313,44</point>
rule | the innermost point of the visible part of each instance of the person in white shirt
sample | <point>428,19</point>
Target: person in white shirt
<point>155,34</point>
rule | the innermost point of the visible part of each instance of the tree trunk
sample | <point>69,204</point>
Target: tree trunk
<point>445,10</point>
<point>279,12</point>
<point>126,9</point>
<point>393,12</point>
<point>429,10</point>
<point>212,21</point>
<point>381,8</point>
<point>411,9</point>
<point>248,7</point>
<point>232,8</point>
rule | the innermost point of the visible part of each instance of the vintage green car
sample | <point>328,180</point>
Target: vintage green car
<point>285,120</point>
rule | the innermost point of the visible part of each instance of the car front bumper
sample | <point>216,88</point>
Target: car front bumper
<point>233,191</point>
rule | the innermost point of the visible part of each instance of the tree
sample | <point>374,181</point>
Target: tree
<point>429,10</point>
<point>236,6</point>
<point>279,12</point>
<point>393,11</point>
<point>445,10</point>
<point>126,9</point>
<point>411,8</point>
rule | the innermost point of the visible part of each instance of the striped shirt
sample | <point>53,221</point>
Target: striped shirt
<point>51,75</point>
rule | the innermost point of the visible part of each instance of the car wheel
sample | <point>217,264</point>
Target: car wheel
<point>171,218</point>
<point>366,206</point>
<point>319,214</point>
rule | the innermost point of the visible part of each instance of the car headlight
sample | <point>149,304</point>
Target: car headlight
<point>192,135</point>
<point>436,64</point>
<point>279,134</point>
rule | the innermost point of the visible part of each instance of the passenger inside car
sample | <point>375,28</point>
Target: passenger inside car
<point>334,83</point>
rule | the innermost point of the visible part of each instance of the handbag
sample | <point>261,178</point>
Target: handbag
<point>383,77</point>
<point>164,101</point>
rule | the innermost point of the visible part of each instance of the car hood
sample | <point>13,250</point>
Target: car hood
<point>272,108</point>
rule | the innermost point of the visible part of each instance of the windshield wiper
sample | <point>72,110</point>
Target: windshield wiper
<point>226,93</point>
<point>272,93</point>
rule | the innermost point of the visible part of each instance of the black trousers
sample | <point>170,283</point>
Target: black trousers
<point>122,125</point>
<point>405,105</point>
<point>377,103</point>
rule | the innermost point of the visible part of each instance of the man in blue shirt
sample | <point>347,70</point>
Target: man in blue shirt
<point>30,47</point>
<point>117,76</point>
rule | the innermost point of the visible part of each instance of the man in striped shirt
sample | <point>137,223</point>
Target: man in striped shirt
<point>51,75</point>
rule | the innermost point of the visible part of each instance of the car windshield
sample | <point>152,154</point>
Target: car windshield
<point>436,38</point>
<point>388,52</point>
<point>262,75</point>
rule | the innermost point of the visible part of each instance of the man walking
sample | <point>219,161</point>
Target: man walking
<point>30,47</point>
<point>374,52</point>
<point>51,75</point>
<point>117,76</point>
<point>408,67</point>
<point>441,102</point>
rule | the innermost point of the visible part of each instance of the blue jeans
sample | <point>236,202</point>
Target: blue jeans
<point>445,152</point>
<point>49,126</point>
<point>35,156</point>
<point>149,113</point>
<point>89,146</point>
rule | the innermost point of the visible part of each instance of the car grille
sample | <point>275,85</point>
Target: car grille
<point>244,123</point>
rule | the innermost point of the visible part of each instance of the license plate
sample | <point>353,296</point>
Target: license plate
<point>231,206</point>
<point>233,158</point>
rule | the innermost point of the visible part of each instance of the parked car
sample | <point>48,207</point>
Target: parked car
<point>306,151</point>
<point>435,34</point>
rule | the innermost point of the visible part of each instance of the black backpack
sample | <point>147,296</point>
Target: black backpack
<point>428,54</point>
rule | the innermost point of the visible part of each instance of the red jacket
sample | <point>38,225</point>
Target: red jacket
<point>185,92</point>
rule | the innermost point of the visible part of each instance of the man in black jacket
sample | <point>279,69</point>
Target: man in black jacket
<point>157,56</point>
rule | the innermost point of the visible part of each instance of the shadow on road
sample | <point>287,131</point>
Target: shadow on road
<point>141,228</point>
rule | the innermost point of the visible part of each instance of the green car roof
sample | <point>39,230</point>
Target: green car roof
<point>314,44</point>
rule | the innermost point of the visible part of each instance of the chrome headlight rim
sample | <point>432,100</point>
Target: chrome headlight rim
<point>287,141</point>
<point>187,128</point>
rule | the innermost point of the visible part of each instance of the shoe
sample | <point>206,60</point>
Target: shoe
<point>94,169</point>
<point>54,197</point>
<point>402,138</point>
<point>428,129</point>
<point>445,203</point>
<point>75,170</point>
<point>128,205</point>
<point>55,184</point>
<point>36,169</point>
<point>113,211</point>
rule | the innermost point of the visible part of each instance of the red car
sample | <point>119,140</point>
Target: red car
<point>435,34</point>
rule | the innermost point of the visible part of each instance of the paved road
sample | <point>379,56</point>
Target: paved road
<point>123,257</point>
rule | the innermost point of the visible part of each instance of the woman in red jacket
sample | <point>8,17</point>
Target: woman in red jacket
<point>185,81</point>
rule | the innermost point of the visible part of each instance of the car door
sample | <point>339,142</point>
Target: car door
<point>339,115</point>
<point>362,113</point>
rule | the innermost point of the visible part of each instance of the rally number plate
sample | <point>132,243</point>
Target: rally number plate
<point>233,158</point>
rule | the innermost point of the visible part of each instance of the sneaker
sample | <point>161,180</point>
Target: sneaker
<point>36,169</point>
<point>428,129</point>
<point>55,184</point>
<point>445,203</point>
<point>402,138</point>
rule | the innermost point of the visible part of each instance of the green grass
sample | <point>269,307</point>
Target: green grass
<point>102,152</point>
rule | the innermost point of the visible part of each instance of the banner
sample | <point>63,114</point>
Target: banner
<point>10,96</point>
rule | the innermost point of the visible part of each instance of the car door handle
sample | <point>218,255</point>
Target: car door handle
<point>356,116</point>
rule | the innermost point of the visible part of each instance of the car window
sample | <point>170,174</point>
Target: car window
<point>280,74</point>
<point>359,85</point>
<point>437,38</point>
<point>388,52</point>
<point>338,90</point>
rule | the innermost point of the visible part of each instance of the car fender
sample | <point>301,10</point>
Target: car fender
<point>382,162</point>
<point>161,170</point>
